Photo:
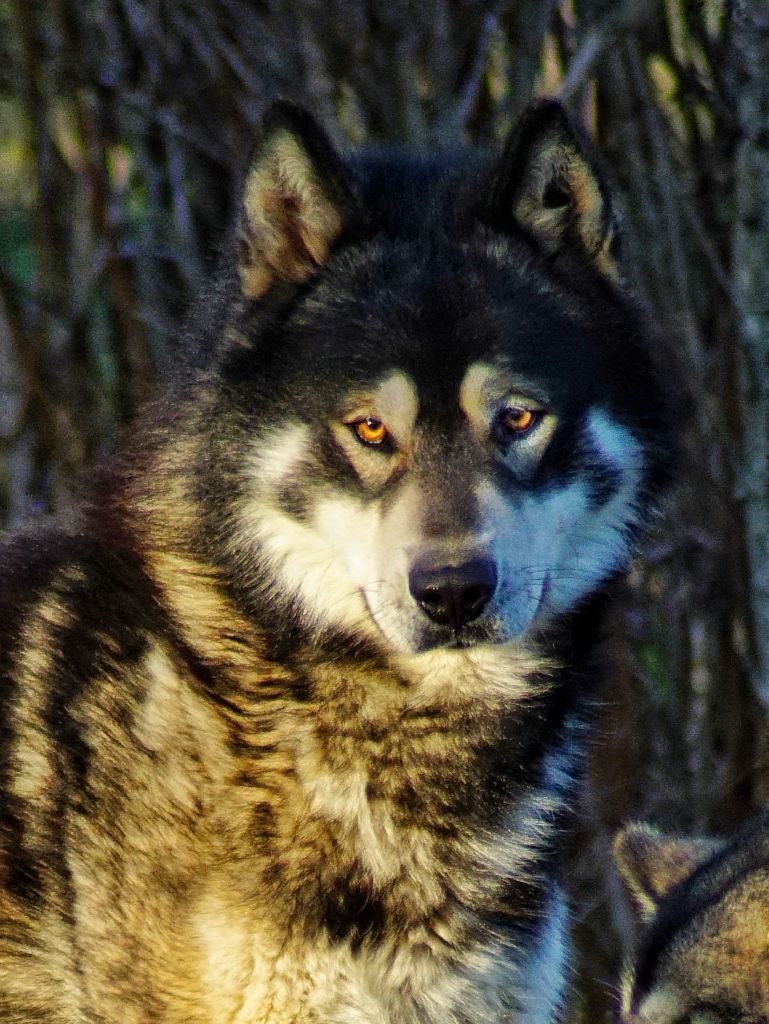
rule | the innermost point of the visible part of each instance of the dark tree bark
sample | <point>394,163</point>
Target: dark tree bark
<point>749,91</point>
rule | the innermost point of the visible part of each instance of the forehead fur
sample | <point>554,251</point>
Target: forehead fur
<point>431,313</point>
<point>485,385</point>
<point>731,953</point>
<point>482,388</point>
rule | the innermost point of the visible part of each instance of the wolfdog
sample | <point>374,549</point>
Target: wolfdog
<point>294,711</point>
<point>704,957</point>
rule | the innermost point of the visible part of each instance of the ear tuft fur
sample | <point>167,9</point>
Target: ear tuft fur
<point>296,203</point>
<point>652,864</point>
<point>548,184</point>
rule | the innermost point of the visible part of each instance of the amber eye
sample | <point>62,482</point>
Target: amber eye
<point>370,430</point>
<point>518,421</point>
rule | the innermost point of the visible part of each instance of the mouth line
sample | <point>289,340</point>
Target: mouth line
<point>462,644</point>
<point>461,640</point>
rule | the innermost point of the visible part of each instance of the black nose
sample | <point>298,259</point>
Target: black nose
<point>453,595</point>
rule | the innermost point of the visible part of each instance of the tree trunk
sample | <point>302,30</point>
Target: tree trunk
<point>750,269</point>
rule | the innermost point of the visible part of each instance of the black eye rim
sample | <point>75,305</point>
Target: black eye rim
<point>384,445</point>
<point>507,433</point>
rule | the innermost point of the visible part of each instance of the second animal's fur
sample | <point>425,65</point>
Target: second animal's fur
<point>704,955</point>
<point>293,712</point>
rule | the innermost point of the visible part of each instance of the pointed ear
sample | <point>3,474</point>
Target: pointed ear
<point>651,864</point>
<point>296,203</point>
<point>547,183</point>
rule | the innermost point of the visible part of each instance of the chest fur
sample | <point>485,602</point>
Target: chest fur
<point>359,857</point>
<point>384,886</point>
<point>388,821</point>
<point>248,979</point>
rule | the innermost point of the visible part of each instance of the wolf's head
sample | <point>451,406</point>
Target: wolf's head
<point>704,956</point>
<point>438,424</point>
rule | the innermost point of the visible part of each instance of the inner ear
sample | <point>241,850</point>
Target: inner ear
<point>297,203</point>
<point>555,196</point>
<point>547,183</point>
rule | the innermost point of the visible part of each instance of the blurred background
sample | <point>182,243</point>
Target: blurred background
<point>124,127</point>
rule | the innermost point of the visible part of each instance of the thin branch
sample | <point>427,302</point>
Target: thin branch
<point>615,24</point>
<point>465,105</point>
<point>28,353</point>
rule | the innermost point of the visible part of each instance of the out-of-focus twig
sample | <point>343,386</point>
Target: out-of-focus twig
<point>615,22</point>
